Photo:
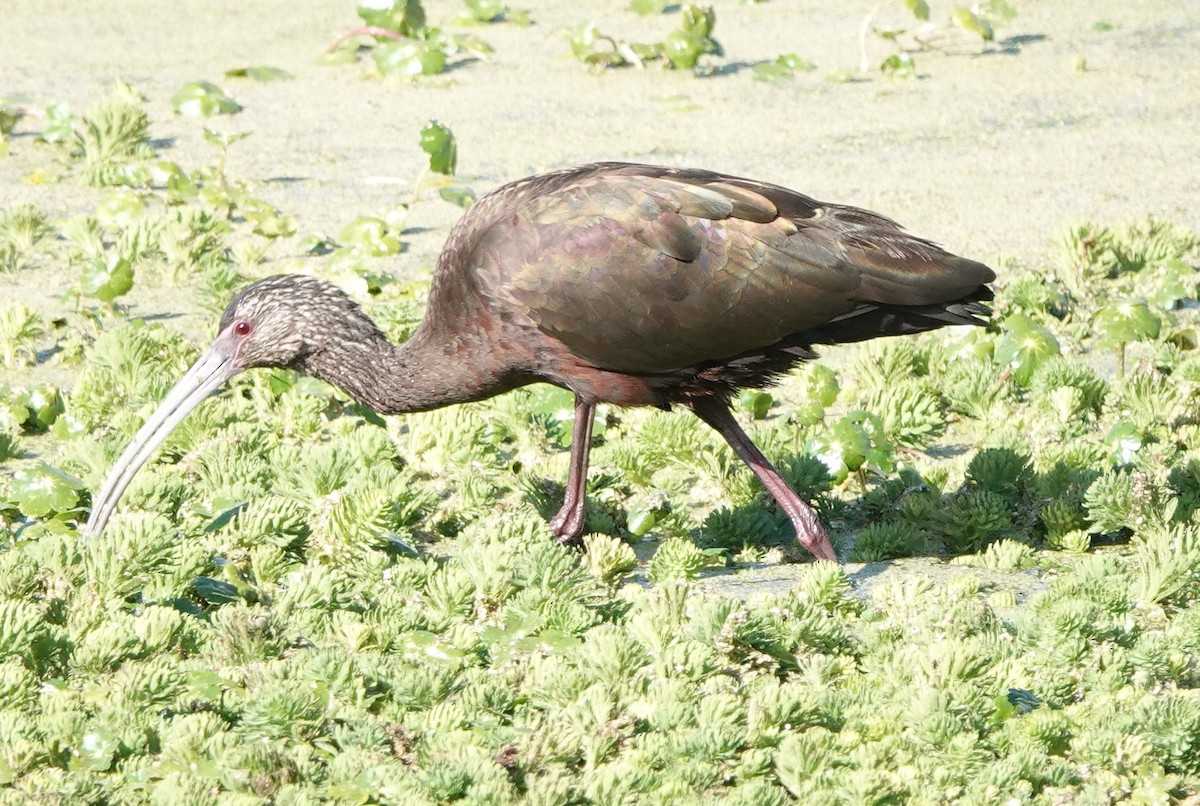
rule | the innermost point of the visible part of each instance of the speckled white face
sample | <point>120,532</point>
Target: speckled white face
<point>281,321</point>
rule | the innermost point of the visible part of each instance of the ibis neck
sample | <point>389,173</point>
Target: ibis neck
<point>421,374</point>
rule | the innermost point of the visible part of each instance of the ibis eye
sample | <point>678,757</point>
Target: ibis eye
<point>242,328</point>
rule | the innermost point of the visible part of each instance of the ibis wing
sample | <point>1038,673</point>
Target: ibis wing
<point>649,270</point>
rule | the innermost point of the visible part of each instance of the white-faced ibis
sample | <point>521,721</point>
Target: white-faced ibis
<point>626,284</point>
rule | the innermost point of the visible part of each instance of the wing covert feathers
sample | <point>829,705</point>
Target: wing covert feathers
<point>643,269</point>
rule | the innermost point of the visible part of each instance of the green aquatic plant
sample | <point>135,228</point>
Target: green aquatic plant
<point>887,541</point>
<point>20,331</point>
<point>978,20</point>
<point>681,49</point>
<point>1003,471</point>
<point>23,228</point>
<point>112,137</point>
<point>203,99</point>
<point>909,414</point>
<point>1118,500</point>
<point>403,44</point>
<point>972,519</point>
<point>301,601</point>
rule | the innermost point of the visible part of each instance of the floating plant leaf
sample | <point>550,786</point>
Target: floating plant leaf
<point>438,142</point>
<point>1023,346</point>
<point>1124,322</point>
<point>106,279</point>
<point>973,23</point>
<point>918,8</point>
<point>783,67</point>
<point>97,750</point>
<point>203,99</point>
<point>405,17</point>
<point>41,490</point>
<point>899,65</point>
<point>260,73</point>
<point>648,7</point>
<point>422,58</point>
<point>372,235</point>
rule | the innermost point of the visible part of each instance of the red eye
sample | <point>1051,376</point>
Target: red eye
<point>242,328</point>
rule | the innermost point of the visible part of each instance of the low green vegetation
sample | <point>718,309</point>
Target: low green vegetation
<point>203,99</point>
<point>397,41</point>
<point>681,49</point>
<point>977,21</point>
<point>303,602</point>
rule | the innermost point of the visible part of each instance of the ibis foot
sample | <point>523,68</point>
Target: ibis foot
<point>567,525</point>
<point>805,521</point>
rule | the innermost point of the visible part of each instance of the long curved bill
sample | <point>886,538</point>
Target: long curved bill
<point>208,374</point>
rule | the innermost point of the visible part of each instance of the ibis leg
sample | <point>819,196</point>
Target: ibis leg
<point>808,527</point>
<point>568,523</point>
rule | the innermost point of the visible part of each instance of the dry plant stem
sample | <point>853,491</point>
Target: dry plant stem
<point>416,194</point>
<point>805,521</point>
<point>864,60</point>
<point>568,523</point>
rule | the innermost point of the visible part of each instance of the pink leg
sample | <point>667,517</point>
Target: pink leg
<point>568,523</point>
<point>808,527</point>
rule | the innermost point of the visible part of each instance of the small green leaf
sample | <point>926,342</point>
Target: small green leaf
<point>10,113</point>
<point>371,235</point>
<point>10,448</point>
<point>485,10</point>
<point>1124,440</point>
<point>260,73</point>
<point>1124,322</point>
<point>215,591</point>
<point>45,407</point>
<point>44,489</point>
<point>683,49</point>
<point>203,99</point>
<point>460,195</point>
<point>641,522</point>
<point>783,67</point>
<point>556,642</point>
<point>699,21</point>
<point>97,749</point>
<point>972,23</point>
<point>107,279</point>
<point>1023,346</point>
<point>754,402</point>
<point>67,427</point>
<point>997,10</point>
<point>648,7</point>
<point>118,209</point>
<point>60,124</point>
<point>853,441</point>
<point>820,384</point>
<point>405,17</point>
<point>205,684</point>
<point>438,142</point>
<point>843,75</point>
<point>268,222</point>
<point>223,140</point>
<point>918,8</point>
<point>899,65</point>
<point>425,58</point>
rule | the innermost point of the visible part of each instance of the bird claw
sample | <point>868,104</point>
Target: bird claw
<point>567,525</point>
<point>565,528</point>
<point>819,544</point>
